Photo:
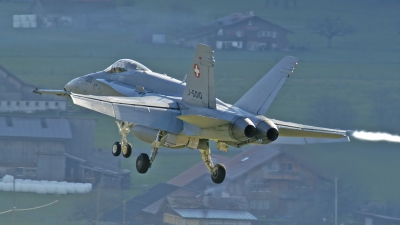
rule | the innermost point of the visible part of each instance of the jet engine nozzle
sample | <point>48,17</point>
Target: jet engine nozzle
<point>242,129</point>
<point>267,131</point>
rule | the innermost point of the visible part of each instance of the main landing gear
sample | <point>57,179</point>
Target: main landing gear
<point>218,171</point>
<point>143,162</point>
<point>123,146</point>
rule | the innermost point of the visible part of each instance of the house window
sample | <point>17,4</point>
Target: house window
<point>265,204</point>
<point>250,22</point>
<point>264,33</point>
<point>9,122</point>
<point>8,103</point>
<point>43,123</point>
<point>56,104</point>
<point>253,204</point>
<point>220,32</point>
<point>46,103</point>
<point>239,33</point>
<point>260,185</point>
<point>17,103</point>
<point>259,204</point>
<point>273,166</point>
<point>287,166</point>
<point>274,34</point>
<point>36,103</point>
<point>27,103</point>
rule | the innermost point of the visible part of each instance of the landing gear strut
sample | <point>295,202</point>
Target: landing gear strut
<point>123,146</point>
<point>218,171</point>
<point>143,162</point>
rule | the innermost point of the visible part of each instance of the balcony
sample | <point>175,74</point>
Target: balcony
<point>289,195</point>
<point>282,175</point>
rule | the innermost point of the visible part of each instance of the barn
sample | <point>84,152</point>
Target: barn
<point>244,31</point>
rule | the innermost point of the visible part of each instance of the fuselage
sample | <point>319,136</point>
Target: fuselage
<point>131,81</point>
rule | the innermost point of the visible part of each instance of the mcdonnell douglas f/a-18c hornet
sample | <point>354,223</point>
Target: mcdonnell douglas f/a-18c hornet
<point>167,112</point>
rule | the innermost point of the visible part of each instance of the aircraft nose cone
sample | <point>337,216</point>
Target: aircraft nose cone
<point>71,85</point>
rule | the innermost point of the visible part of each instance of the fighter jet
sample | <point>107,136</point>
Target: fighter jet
<point>170,113</point>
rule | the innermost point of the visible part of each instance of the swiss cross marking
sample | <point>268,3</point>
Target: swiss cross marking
<point>196,70</point>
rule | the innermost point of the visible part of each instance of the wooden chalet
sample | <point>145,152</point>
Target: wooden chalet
<point>17,96</point>
<point>263,184</point>
<point>49,147</point>
<point>237,31</point>
<point>271,180</point>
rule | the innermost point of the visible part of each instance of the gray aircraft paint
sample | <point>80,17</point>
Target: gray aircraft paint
<point>160,102</point>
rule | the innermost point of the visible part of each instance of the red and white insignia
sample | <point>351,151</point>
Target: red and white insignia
<point>196,70</point>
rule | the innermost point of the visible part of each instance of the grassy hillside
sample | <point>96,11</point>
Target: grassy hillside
<point>359,73</point>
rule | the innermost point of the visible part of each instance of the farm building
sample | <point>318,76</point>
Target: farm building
<point>16,96</point>
<point>171,204</point>
<point>374,218</point>
<point>56,148</point>
<point>264,184</point>
<point>49,148</point>
<point>271,180</point>
<point>237,31</point>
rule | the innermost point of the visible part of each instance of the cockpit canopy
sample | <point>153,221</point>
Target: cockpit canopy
<point>124,65</point>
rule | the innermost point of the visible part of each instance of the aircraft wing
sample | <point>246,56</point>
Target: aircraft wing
<point>151,111</point>
<point>293,133</point>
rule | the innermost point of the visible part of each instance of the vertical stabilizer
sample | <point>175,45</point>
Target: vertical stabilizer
<point>260,96</point>
<point>200,88</point>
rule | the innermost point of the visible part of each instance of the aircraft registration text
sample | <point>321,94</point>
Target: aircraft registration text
<point>195,94</point>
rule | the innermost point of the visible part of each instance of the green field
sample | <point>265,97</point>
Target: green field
<point>360,74</point>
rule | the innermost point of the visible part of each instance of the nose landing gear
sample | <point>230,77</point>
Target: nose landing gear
<point>123,146</point>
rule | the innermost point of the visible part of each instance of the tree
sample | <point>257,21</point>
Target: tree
<point>330,27</point>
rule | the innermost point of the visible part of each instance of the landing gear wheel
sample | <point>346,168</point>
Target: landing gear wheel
<point>218,173</point>
<point>127,151</point>
<point>116,149</point>
<point>142,163</point>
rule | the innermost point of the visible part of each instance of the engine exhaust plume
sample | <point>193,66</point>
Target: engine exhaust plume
<point>375,136</point>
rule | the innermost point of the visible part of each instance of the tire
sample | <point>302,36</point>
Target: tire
<point>116,149</point>
<point>128,151</point>
<point>142,163</point>
<point>218,173</point>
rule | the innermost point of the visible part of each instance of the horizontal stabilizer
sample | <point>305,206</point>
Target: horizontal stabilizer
<point>290,132</point>
<point>203,121</point>
<point>293,133</point>
<point>303,141</point>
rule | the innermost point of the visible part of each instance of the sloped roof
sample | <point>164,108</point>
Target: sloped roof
<point>222,22</point>
<point>215,214</point>
<point>383,217</point>
<point>193,202</point>
<point>194,172</point>
<point>138,203</point>
<point>249,159</point>
<point>33,127</point>
<point>155,207</point>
